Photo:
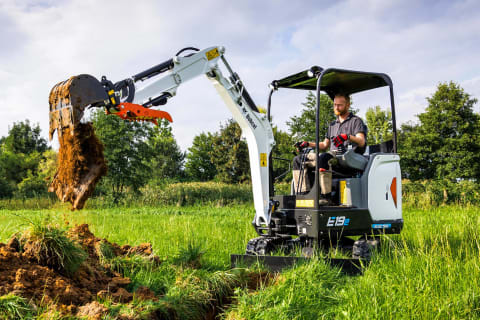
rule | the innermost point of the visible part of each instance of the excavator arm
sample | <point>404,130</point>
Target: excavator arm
<point>135,97</point>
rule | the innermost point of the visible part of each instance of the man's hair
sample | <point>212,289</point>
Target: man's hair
<point>341,94</point>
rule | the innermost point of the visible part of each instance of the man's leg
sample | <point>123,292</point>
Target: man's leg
<point>300,178</point>
<point>325,178</point>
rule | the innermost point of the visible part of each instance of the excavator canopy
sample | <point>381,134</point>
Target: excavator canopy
<point>334,81</point>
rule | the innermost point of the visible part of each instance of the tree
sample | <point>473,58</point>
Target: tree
<point>20,154</point>
<point>24,138</point>
<point>445,143</point>
<point>283,149</point>
<point>126,151</point>
<point>230,154</point>
<point>198,166</point>
<point>379,124</point>
<point>166,157</point>
<point>303,127</point>
<point>34,185</point>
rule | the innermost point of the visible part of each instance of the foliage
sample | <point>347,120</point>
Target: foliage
<point>283,149</point>
<point>35,185</point>
<point>303,127</point>
<point>20,155</point>
<point>24,138</point>
<point>379,124</point>
<point>230,154</point>
<point>166,159</point>
<point>198,166</point>
<point>444,144</point>
<point>126,151</point>
<point>428,193</point>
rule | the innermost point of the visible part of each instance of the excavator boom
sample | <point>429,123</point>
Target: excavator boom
<point>127,100</point>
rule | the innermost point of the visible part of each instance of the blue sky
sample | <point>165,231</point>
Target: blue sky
<point>418,43</point>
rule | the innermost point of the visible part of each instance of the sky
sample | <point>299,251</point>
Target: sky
<point>419,44</point>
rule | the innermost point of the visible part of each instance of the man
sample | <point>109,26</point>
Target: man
<point>347,129</point>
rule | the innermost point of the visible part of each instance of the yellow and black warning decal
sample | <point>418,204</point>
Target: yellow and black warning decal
<point>212,54</point>
<point>263,159</point>
<point>304,203</point>
<point>111,94</point>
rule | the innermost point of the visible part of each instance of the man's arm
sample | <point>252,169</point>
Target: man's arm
<point>324,145</point>
<point>359,139</point>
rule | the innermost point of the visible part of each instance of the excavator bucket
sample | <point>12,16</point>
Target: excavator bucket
<point>80,158</point>
<point>68,100</point>
<point>81,163</point>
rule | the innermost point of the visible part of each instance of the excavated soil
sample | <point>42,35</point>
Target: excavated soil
<point>81,164</point>
<point>22,275</point>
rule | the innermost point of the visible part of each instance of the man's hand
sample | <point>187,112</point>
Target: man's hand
<point>301,144</point>
<point>340,139</point>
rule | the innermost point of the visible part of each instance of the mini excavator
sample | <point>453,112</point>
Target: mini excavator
<point>367,200</point>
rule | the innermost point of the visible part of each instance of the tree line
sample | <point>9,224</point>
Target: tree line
<point>442,145</point>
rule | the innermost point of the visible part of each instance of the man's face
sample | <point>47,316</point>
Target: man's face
<point>340,106</point>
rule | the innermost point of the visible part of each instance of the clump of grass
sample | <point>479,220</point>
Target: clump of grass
<point>190,255</point>
<point>14,307</point>
<point>221,284</point>
<point>50,246</point>
<point>144,271</point>
<point>104,251</point>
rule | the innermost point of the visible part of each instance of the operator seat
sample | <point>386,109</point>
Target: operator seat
<point>352,160</point>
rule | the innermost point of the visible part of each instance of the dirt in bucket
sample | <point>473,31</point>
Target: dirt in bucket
<point>81,164</point>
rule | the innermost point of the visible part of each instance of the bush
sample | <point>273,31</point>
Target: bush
<point>440,192</point>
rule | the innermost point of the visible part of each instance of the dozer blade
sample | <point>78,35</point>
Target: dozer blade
<point>278,263</point>
<point>68,100</point>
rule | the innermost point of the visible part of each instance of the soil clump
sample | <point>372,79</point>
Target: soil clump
<point>81,164</point>
<point>24,275</point>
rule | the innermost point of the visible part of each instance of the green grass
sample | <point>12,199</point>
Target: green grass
<point>50,246</point>
<point>14,307</point>
<point>430,271</point>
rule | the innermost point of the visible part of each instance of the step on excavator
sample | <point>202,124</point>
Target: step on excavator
<point>366,201</point>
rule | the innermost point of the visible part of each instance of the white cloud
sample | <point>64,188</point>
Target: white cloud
<point>417,44</point>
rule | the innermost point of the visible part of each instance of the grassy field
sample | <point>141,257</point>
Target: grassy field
<point>430,271</point>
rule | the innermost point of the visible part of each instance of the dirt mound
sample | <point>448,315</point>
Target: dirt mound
<point>25,276</point>
<point>81,164</point>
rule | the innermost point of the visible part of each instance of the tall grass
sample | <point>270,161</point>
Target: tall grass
<point>420,194</point>
<point>430,271</point>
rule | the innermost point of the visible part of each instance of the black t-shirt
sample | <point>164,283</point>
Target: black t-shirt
<point>351,126</point>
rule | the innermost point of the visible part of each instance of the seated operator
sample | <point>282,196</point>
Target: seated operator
<point>347,129</point>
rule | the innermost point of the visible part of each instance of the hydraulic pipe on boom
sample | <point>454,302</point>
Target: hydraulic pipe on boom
<point>131,103</point>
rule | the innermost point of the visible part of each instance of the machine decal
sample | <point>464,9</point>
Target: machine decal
<point>249,118</point>
<point>263,159</point>
<point>381,226</point>
<point>305,203</point>
<point>343,194</point>
<point>340,221</point>
<point>393,190</point>
<point>212,54</point>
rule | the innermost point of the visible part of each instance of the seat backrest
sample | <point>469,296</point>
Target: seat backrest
<point>385,147</point>
<point>351,159</point>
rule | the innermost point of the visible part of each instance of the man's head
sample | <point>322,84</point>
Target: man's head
<point>341,104</point>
